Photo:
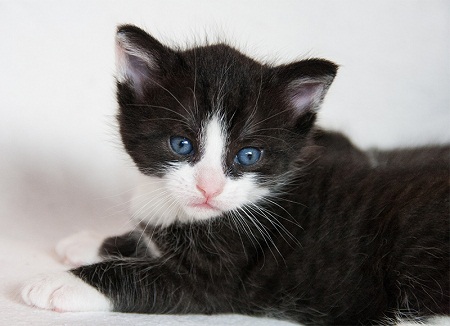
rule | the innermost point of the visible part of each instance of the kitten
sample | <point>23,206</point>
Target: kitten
<point>245,207</point>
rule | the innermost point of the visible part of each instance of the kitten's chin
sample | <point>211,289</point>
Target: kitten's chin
<point>196,212</point>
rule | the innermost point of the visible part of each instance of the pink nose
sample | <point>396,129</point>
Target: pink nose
<point>210,184</point>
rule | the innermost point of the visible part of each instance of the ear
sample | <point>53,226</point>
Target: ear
<point>305,83</point>
<point>140,59</point>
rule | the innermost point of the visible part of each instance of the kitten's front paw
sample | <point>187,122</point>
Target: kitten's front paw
<point>63,292</point>
<point>79,249</point>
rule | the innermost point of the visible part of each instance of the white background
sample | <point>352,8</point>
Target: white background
<point>61,165</point>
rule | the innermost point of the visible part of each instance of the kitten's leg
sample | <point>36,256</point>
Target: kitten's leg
<point>147,286</point>
<point>85,247</point>
<point>67,292</point>
<point>131,244</point>
<point>63,292</point>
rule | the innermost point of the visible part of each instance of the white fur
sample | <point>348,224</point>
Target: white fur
<point>63,291</point>
<point>213,143</point>
<point>162,201</point>
<point>79,249</point>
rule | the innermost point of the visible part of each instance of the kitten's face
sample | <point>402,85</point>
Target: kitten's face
<point>212,131</point>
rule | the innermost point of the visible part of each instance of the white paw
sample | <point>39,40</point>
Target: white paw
<point>80,249</point>
<point>63,292</point>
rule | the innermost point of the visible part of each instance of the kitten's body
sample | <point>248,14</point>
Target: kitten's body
<point>314,230</point>
<point>331,264</point>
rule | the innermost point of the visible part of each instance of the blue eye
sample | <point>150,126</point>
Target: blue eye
<point>181,145</point>
<point>248,156</point>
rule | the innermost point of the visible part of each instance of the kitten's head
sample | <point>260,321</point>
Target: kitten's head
<point>212,130</point>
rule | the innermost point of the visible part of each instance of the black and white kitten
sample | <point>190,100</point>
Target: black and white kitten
<point>245,207</point>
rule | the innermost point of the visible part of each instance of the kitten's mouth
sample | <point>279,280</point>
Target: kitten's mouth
<point>204,206</point>
<point>202,210</point>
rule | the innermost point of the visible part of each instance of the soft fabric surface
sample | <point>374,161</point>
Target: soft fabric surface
<point>62,168</point>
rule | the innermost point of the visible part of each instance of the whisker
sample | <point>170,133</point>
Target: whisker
<point>264,233</point>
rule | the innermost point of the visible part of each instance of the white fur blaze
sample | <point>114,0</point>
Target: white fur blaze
<point>63,292</point>
<point>214,141</point>
<point>209,175</point>
<point>80,249</point>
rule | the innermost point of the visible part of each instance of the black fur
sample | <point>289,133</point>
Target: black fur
<point>354,237</point>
